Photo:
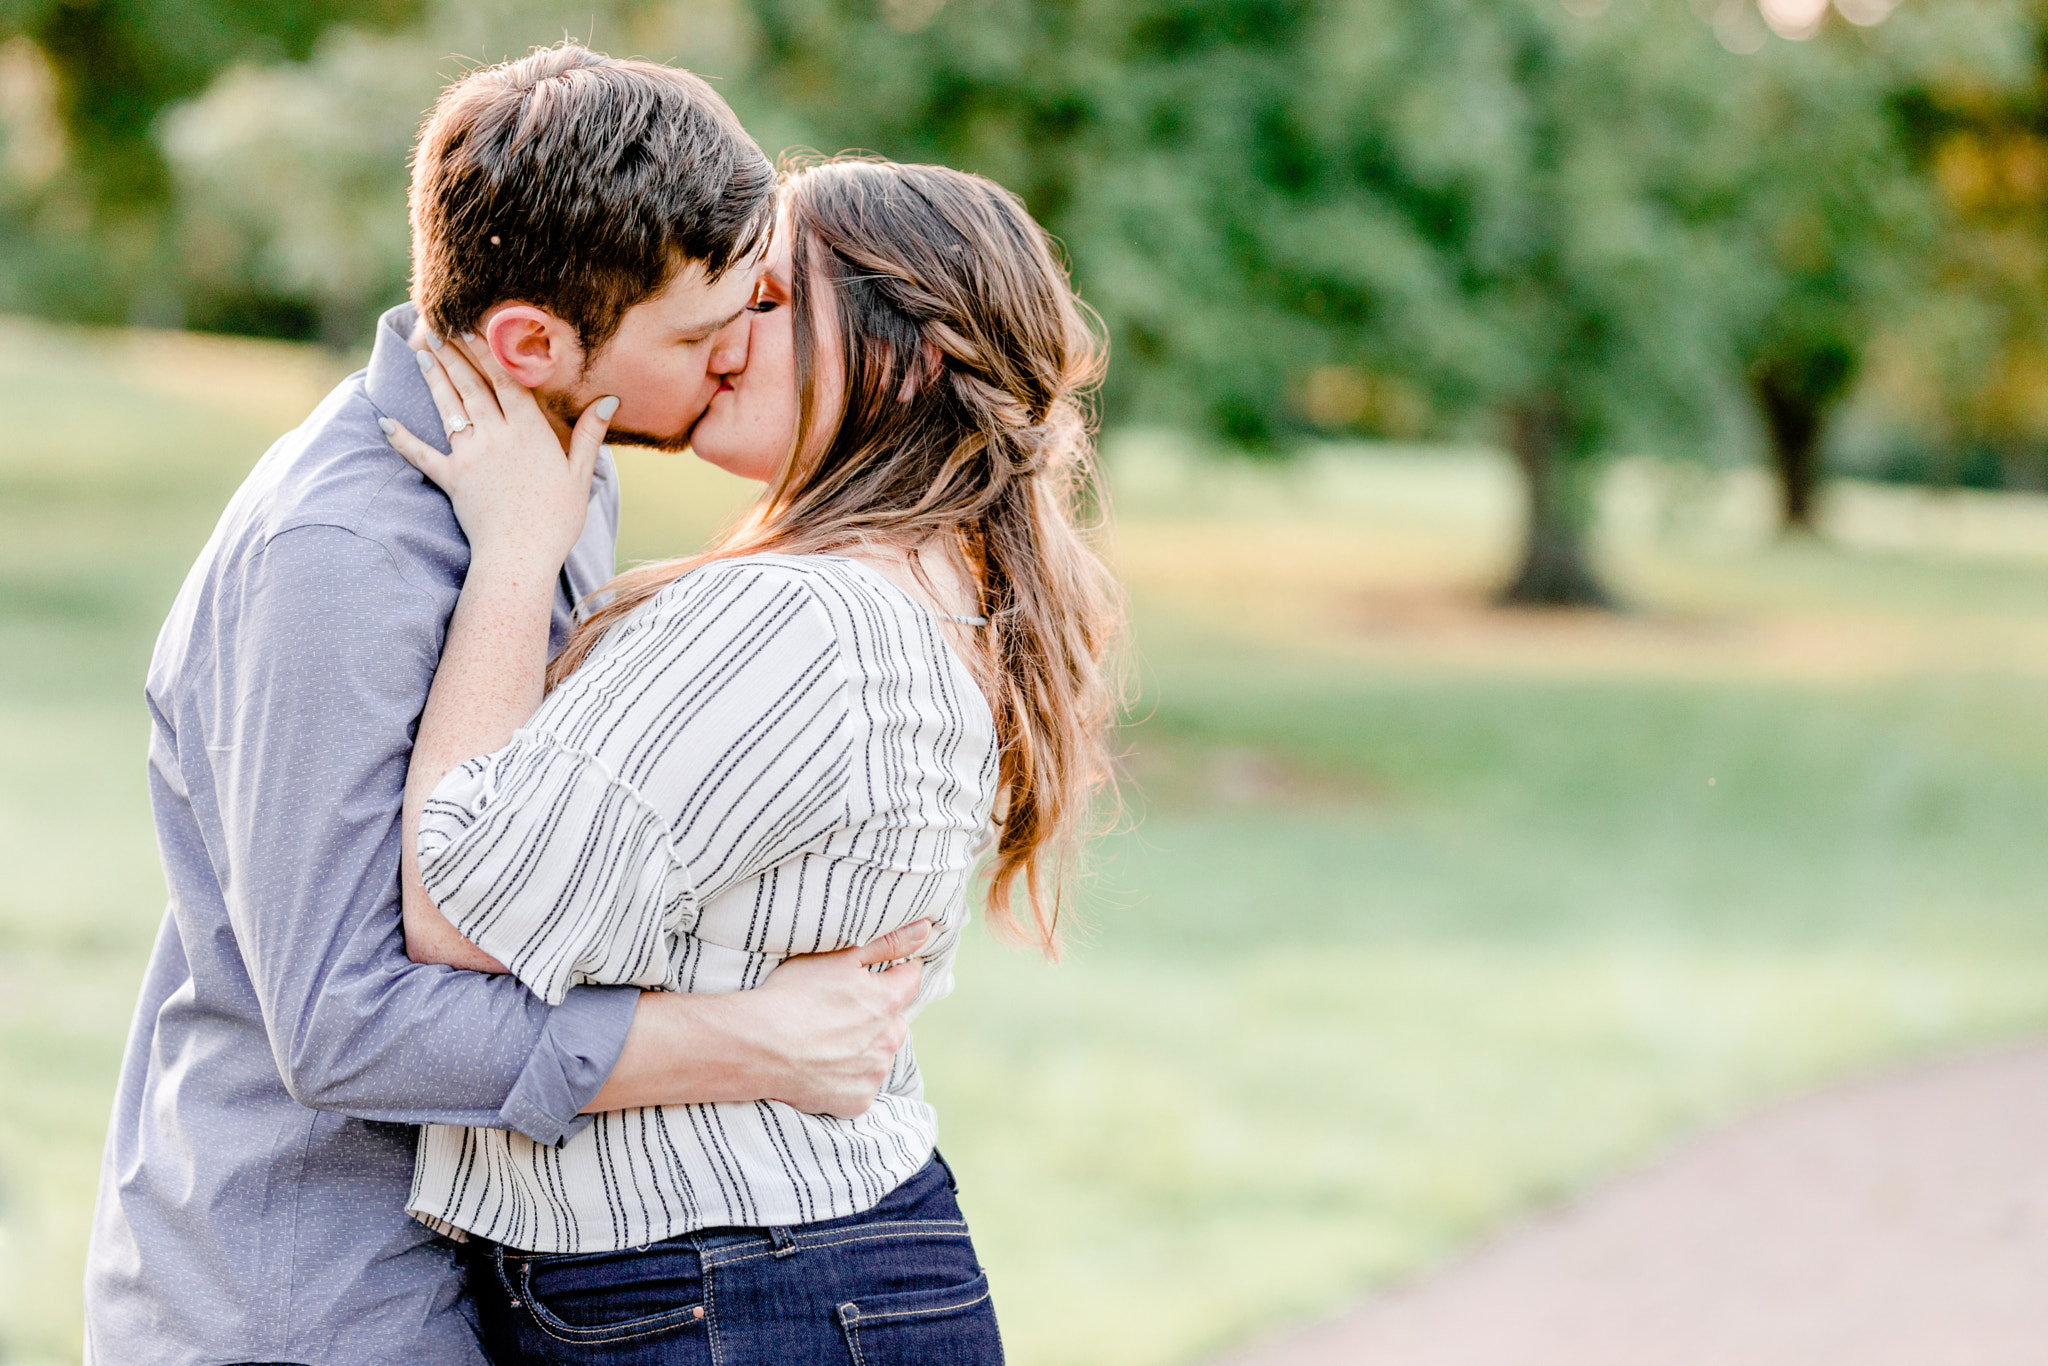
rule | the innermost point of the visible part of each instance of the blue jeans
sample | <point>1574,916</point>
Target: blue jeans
<point>898,1284</point>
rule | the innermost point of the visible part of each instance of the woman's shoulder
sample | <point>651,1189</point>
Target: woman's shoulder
<point>853,598</point>
<point>752,623</point>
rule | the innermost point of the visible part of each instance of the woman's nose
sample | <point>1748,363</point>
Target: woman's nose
<point>729,348</point>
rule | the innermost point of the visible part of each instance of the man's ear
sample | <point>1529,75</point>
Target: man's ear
<point>536,348</point>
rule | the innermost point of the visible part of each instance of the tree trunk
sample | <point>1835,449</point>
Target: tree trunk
<point>1793,419</point>
<point>1555,571</point>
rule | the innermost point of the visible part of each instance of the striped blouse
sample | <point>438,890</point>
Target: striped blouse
<point>775,755</point>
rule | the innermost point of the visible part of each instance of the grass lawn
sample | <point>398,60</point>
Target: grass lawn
<point>1420,913</point>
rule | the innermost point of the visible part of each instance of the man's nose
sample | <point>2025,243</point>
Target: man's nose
<point>729,347</point>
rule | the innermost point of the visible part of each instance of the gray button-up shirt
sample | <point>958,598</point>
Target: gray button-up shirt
<point>251,1198</point>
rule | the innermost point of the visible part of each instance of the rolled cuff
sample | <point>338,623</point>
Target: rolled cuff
<point>578,1048</point>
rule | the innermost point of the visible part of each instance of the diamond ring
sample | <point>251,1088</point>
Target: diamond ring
<point>456,425</point>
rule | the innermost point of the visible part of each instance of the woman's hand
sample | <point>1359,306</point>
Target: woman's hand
<point>516,495</point>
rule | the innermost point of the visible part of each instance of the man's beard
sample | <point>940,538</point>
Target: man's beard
<point>565,408</point>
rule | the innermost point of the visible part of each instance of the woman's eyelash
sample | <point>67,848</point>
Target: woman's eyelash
<point>765,306</point>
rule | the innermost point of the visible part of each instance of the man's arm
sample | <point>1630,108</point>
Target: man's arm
<point>819,1034</point>
<point>326,650</point>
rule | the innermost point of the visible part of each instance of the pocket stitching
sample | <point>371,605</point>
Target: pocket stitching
<point>853,1323</point>
<point>649,1326</point>
<point>860,1318</point>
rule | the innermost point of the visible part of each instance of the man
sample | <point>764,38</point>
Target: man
<point>599,225</point>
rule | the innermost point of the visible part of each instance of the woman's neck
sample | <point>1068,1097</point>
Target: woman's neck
<point>934,573</point>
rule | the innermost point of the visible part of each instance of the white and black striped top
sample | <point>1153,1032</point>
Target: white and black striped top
<point>775,755</point>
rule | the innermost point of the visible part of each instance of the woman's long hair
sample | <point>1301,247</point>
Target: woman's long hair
<point>965,422</point>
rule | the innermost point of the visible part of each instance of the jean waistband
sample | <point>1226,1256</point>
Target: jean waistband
<point>926,1197</point>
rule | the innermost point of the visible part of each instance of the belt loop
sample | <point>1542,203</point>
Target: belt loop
<point>785,1241</point>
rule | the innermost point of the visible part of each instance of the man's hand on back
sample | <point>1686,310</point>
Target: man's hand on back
<point>819,1034</point>
<point>835,1026</point>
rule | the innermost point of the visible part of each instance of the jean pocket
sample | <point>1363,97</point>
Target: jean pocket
<point>953,1325</point>
<point>574,1303</point>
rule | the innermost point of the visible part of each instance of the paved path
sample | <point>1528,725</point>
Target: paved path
<point>1899,1222</point>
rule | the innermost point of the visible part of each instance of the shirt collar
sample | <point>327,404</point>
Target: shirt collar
<point>398,390</point>
<point>394,382</point>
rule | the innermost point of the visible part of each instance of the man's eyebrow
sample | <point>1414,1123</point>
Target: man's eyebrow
<point>707,329</point>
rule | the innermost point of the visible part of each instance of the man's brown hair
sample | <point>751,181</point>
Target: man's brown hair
<point>578,183</point>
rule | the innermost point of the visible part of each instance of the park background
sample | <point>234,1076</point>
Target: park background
<point>1577,465</point>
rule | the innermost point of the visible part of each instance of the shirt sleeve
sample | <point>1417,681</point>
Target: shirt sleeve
<point>320,686</point>
<point>707,742</point>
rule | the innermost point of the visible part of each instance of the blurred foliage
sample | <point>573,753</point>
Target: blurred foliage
<point>85,200</point>
<point>1575,227</point>
<point>292,176</point>
<point>1973,383</point>
<point>1359,215</point>
<point>1836,225</point>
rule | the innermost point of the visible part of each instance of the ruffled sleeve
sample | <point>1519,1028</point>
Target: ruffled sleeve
<point>705,743</point>
<point>552,866</point>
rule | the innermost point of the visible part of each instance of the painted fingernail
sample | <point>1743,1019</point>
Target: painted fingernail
<point>388,425</point>
<point>606,406</point>
<point>434,340</point>
<point>426,362</point>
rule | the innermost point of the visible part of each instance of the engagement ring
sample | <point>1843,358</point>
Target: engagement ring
<point>455,424</point>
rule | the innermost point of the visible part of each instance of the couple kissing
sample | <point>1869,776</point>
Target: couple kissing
<point>543,942</point>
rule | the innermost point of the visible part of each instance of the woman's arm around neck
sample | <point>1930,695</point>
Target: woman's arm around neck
<point>522,504</point>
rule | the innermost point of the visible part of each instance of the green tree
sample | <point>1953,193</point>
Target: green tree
<point>1845,228</point>
<point>1343,214</point>
<point>1975,109</point>
<point>1572,174</point>
<point>1833,218</point>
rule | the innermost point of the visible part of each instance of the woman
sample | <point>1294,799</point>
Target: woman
<point>798,741</point>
